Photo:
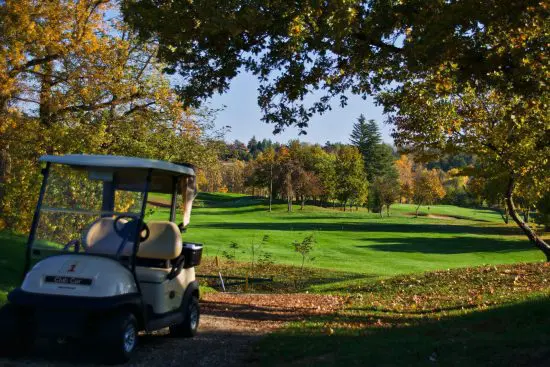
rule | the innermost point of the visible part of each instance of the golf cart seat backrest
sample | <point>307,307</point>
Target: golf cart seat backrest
<point>164,241</point>
<point>101,238</point>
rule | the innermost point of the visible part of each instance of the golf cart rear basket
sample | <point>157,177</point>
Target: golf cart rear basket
<point>192,253</point>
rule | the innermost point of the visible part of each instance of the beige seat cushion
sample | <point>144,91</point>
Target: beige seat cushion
<point>101,238</point>
<point>151,275</point>
<point>164,241</point>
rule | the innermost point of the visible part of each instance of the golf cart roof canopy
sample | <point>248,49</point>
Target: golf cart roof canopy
<point>129,171</point>
<point>113,161</point>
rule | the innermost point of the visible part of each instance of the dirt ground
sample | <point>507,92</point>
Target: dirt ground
<point>230,326</point>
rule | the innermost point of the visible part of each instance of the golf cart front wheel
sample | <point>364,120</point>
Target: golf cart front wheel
<point>119,332</point>
<point>16,334</point>
<point>188,328</point>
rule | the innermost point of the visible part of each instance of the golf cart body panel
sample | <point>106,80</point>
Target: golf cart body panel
<point>77,275</point>
<point>91,254</point>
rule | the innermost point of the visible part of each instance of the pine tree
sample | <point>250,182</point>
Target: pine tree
<point>378,157</point>
<point>253,146</point>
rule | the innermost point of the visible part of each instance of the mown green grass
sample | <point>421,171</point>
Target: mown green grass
<point>358,241</point>
<point>353,242</point>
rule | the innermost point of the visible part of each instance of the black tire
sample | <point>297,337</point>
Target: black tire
<point>188,328</point>
<point>118,337</point>
<point>16,333</point>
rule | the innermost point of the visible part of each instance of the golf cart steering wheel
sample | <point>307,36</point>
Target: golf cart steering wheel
<point>123,231</point>
<point>72,243</point>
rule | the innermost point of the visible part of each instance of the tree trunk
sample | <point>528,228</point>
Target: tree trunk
<point>388,210</point>
<point>4,169</point>
<point>289,203</point>
<point>303,203</point>
<point>533,237</point>
<point>46,115</point>
<point>504,214</point>
<point>270,186</point>
<point>418,207</point>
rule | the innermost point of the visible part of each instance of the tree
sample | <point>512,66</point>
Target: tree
<point>450,161</point>
<point>233,176</point>
<point>481,68</point>
<point>253,146</point>
<point>307,185</point>
<point>74,79</point>
<point>454,182</point>
<point>304,248</point>
<point>508,133</point>
<point>263,173</point>
<point>350,174</point>
<point>366,137</point>
<point>286,169</point>
<point>338,46</point>
<point>385,191</point>
<point>404,168</point>
<point>385,161</point>
<point>325,168</point>
<point>427,188</point>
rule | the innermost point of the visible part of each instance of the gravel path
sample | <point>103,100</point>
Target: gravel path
<point>230,326</point>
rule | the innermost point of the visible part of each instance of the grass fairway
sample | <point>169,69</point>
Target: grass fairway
<point>359,241</point>
<point>353,242</point>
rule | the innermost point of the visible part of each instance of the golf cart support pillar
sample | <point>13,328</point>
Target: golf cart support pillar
<point>108,202</point>
<point>174,203</point>
<point>36,218</point>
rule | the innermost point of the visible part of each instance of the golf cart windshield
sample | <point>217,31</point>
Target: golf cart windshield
<point>87,210</point>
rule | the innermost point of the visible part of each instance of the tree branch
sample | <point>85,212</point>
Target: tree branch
<point>138,108</point>
<point>533,237</point>
<point>364,38</point>
<point>32,63</point>
<point>98,106</point>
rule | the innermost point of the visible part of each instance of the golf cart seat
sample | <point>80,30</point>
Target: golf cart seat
<point>163,245</point>
<point>164,241</point>
<point>154,255</point>
<point>102,239</point>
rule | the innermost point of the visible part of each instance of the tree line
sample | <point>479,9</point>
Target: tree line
<point>364,173</point>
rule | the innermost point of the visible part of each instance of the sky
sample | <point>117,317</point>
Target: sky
<point>242,113</point>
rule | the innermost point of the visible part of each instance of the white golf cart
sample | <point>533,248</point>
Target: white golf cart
<point>97,269</point>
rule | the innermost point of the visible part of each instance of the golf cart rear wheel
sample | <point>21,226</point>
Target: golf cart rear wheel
<point>16,333</point>
<point>118,336</point>
<point>188,328</point>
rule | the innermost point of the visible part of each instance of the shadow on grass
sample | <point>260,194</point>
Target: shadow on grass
<point>219,201</point>
<point>514,335</point>
<point>12,258</point>
<point>446,246</point>
<point>375,216</point>
<point>368,227</point>
<point>241,210</point>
